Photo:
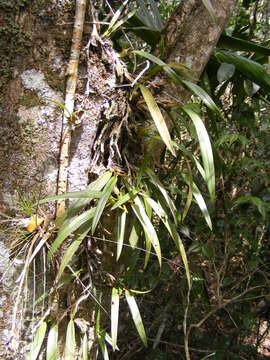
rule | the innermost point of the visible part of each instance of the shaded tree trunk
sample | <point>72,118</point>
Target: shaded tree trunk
<point>35,55</point>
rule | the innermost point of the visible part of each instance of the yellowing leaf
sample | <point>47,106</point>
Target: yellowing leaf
<point>158,118</point>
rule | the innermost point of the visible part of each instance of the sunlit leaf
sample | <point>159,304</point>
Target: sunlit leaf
<point>103,347</point>
<point>114,315</point>
<point>159,210</point>
<point>70,348</point>
<point>120,233</point>
<point>147,226</point>
<point>225,72</point>
<point>158,118</point>
<point>51,352</point>
<point>85,194</point>
<point>73,247</point>
<point>77,205</point>
<point>202,94</point>
<point>85,347</point>
<point>136,316</point>
<point>134,236</point>
<point>200,200</point>
<point>106,193</point>
<point>68,228</point>
<point>38,340</point>
<point>155,180</point>
<point>115,18</point>
<point>206,151</point>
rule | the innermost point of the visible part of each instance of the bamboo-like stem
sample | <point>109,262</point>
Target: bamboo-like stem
<point>72,73</point>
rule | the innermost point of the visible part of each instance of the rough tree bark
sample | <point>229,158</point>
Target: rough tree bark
<point>30,132</point>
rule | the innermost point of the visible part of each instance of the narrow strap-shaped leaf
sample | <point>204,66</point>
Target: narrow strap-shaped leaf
<point>189,197</point>
<point>200,200</point>
<point>196,89</point>
<point>202,94</point>
<point>114,315</point>
<point>77,205</point>
<point>147,226</point>
<point>115,18</point>
<point>85,347</point>
<point>38,340</point>
<point>148,247</point>
<point>155,180</point>
<point>73,195</point>
<point>73,247</point>
<point>206,151</point>
<point>106,193</point>
<point>70,348</point>
<point>136,316</point>
<point>120,233</point>
<point>103,347</point>
<point>159,210</point>
<point>51,352</point>
<point>158,118</point>
<point>68,228</point>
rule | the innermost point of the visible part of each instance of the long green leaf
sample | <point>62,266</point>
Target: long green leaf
<point>250,69</point>
<point>114,315</point>
<point>106,193</point>
<point>85,347</point>
<point>189,197</point>
<point>38,340</point>
<point>155,180</point>
<point>200,200</point>
<point>103,347</point>
<point>147,226</point>
<point>158,118</point>
<point>206,151</point>
<point>136,316</point>
<point>233,43</point>
<point>70,348</point>
<point>196,89</point>
<point>77,205</point>
<point>148,247</point>
<point>79,235</point>
<point>120,233</point>
<point>51,352</point>
<point>68,228</point>
<point>115,18</point>
<point>202,94</point>
<point>172,231</point>
<point>85,194</point>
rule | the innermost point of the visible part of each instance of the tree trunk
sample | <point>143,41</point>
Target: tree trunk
<point>34,53</point>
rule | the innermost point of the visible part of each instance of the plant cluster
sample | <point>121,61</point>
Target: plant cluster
<point>208,195</point>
